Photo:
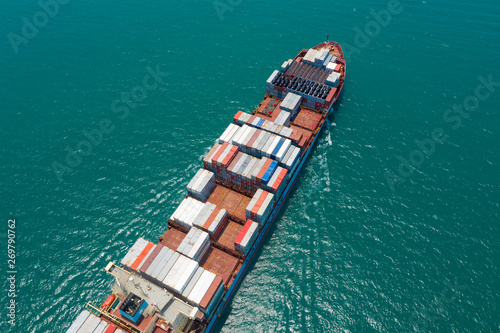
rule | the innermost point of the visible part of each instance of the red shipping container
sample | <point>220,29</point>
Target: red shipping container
<point>211,218</point>
<point>152,257</point>
<point>254,137</point>
<point>264,169</point>
<point>237,116</point>
<point>255,209</point>
<point>251,119</point>
<point>110,329</point>
<point>141,256</point>
<point>211,292</point>
<point>329,98</point>
<point>218,153</point>
<point>243,232</point>
<point>230,156</point>
<point>208,158</point>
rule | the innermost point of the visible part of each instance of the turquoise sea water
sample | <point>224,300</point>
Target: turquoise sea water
<point>361,247</point>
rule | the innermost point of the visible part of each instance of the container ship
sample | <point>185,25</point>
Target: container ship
<point>185,280</point>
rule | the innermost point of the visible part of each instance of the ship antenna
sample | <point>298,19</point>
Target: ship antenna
<point>327,38</point>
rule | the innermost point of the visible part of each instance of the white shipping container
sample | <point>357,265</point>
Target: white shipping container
<point>191,269</point>
<point>90,324</point>
<point>203,288</point>
<point>269,142</point>
<point>167,253</point>
<point>261,145</point>
<point>271,78</point>
<point>101,327</point>
<point>192,282</point>
<point>244,135</point>
<point>168,266</point>
<point>284,147</point>
<point>134,252</point>
<point>199,284</point>
<point>174,270</point>
<point>293,158</point>
<point>156,261</point>
<point>236,135</point>
<point>180,273</point>
<point>217,221</point>
<point>197,248</point>
<point>78,322</point>
<point>179,210</point>
<point>232,133</point>
<point>244,117</point>
<point>250,235</point>
<point>221,140</point>
<point>270,149</point>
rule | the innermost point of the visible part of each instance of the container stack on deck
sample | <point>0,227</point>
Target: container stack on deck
<point>202,184</point>
<point>179,272</point>
<point>260,206</point>
<point>315,78</point>
<point>246,237</point>
<point>87,322</point>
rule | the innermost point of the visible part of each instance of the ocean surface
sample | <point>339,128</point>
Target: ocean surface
<point>394,223</point>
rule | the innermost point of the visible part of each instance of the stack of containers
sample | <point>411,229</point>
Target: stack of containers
<point>241,118</point>
<point>260,123</point>
<point>262,166</point>
<point>202,185</point>
<point>187,212</point>
<point>88,322</point>
<point>328,59</point>
<point>136,254</point>
<point>247,133</point>
<point>285,66</point>
<point>283,119</point>
<point>223,157</point>
<point>195,244</point>
<point>212,296</point>
<point>270,88</point>
<point>280,154</point>
<point>168,268</point>
<point>211,219</point>
<point>246,146</point>
<point>278,182</point>
<point>332,64</point>
<point>240,167</point>
<point>201,287</point>
<point>266,172</point>
<point>228,134</point>
<point>291,159</point>
<point>291,103</point>
<point>180,273</point>
<point>310,56</point>
<point>333,79</point>
<point>207,160</point>
<point>278,148</point>
<point>253,146</point>
<point>273,127</point>
<point>185,275</point>
<point>156,269</point>
<point>246,237</point>
<point>321,56</point>
<point>206,292</point>
<point>260,207</point>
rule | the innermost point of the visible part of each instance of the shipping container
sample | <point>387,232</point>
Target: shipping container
<point>78,322</point>
<point>246,237</point>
